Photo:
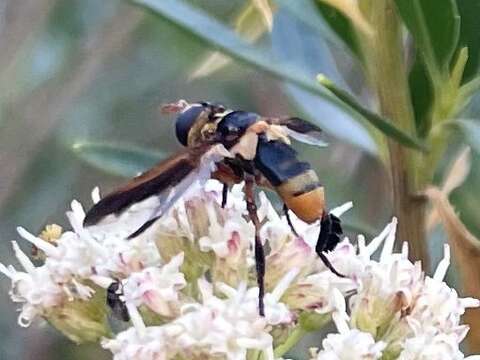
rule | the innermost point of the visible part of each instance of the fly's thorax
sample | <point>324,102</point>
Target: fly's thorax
<point>233,126</point>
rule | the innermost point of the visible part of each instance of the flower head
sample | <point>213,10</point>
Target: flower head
<point>190,289</point>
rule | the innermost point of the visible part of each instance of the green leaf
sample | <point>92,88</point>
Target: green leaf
<point>435,26</point>
<point>209,30</point>
<point>470,34</point>
<point>117,159</point>
<point>470,129</point>
<point>384,125</point>
<point>421,93</point>
<point>250,24</point>
<point>341,25</point>
<point>214,33</point>
<point>306,11</point>
<point>311,54</point>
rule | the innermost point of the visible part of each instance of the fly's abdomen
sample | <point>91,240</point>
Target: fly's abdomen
<point>295,181</point>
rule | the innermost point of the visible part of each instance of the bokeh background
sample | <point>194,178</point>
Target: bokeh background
<point>81,79</point>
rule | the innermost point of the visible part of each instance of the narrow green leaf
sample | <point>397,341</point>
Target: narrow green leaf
<point>312,53</point>
<point>421,93</point>
<point>470,129</point>
<point>117,159</point>
<point>341,25</point>
<point>214,33</point>
<point>435,26</point>
<point>250,25</point>
<point>306,11</point>
<point>384,125</point>
<point>470,35</point>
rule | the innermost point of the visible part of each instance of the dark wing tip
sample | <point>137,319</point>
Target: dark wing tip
<point>301,126</point>
<point>93,216</point>
<point>111,204</point>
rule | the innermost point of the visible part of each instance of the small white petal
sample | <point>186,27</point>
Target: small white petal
<point>340,210</point>
<point>361,244</point>
<point>443,265</point>
<point>23,259</point>
<point>469,302</point>
<point>6,271</point>
<point>136,318</point>
<point>228,290</point>
<point>96,195</point>
<point>375,243</point>
<point>405,250</point>
<point>46,247</point>
<point>284,283</point>
<point>77,208</point>
<point>174,263</point>
<point>102,281</point>
<point>269,353</point>
<point>205,288</point>
<point>389,241</point>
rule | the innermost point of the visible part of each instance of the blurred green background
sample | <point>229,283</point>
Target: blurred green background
<point>90,72</point>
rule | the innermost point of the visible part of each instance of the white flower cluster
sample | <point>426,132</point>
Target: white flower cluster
<point>397,312</point>
<point>189,287</point>
<point>226,326</point>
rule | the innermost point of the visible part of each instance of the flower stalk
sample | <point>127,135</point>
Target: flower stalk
<point>388,74</point>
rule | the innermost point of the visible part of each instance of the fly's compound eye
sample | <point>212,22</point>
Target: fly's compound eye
<point>185,122</point>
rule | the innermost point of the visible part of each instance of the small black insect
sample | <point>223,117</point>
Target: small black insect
<point>115,302</point>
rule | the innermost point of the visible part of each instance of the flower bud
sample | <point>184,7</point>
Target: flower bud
<point>80,320</point>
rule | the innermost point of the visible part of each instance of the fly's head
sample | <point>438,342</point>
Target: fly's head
<point>196,122</point>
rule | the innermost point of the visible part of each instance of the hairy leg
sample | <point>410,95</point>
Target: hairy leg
<point>259,251</point>
<point>329,237</point>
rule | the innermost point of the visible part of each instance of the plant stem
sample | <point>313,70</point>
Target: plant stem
<point>297,334</point>
<point>387,70</point>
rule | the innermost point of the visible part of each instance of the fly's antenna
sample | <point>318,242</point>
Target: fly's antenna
<point>175,107</point>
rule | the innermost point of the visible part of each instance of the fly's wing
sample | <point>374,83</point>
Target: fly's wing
<point>160,186</point>
<point>300,130</point>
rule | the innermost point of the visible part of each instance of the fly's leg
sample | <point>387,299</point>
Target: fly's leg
<point>224,195</point>
<point>289,220</point>
<point>259,251</point>
<point>329,237</point>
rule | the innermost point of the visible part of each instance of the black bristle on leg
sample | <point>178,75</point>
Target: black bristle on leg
<point>329,237</point>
